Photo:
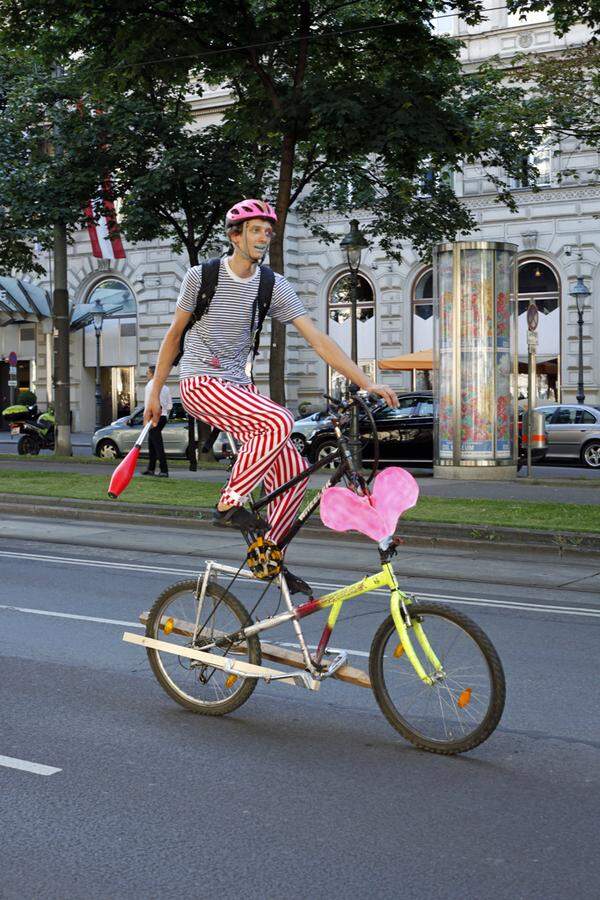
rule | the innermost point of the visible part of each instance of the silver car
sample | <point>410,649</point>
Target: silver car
<point>118,438</point>
<point>573,432</point>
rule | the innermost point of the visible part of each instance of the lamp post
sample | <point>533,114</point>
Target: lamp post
<point>580,294</point>
<point>98,319</point>
<point>353,244</point>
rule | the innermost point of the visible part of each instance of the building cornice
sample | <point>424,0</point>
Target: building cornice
<point>550,195</point>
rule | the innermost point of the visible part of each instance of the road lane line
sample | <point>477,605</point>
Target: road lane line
<point>460,599</point>
<point>100,564</point>
<point>35,768</point>
<point>61,615</point>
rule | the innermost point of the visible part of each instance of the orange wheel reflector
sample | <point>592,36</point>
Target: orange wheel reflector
<point>169,626</point>
<point>465,698</point>
<point>399,650</point>
<point>230,681</point>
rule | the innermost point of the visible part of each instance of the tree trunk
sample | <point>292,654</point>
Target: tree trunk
<point>62,385</point>
<point>276,259</point>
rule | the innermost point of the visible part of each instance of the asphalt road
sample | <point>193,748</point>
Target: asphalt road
<point>295,794</point>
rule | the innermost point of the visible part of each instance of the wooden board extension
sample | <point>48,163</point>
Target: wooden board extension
<point>282,655</point>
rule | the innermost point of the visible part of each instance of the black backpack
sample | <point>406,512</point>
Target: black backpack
<point>208,286</point>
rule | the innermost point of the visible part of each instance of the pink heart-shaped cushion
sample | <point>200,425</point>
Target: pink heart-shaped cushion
<point>394,491</point>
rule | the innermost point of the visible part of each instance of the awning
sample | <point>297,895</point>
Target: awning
<point>422,359</point>
<point>21,300</point>
<point>24,302</point>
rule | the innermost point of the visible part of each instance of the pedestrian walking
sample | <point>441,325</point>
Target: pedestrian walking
<point>155,440</point>
<point>219,312</point>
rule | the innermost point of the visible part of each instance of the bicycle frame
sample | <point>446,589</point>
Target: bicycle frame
<point>399,601</point>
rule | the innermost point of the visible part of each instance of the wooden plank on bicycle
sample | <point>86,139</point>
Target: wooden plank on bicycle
<point>272,652</point>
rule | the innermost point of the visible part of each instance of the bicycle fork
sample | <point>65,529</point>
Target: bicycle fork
<point>401,616</point>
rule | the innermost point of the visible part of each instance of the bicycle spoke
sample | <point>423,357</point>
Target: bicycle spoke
<point>458,701</point>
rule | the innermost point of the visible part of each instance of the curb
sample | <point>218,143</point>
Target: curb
<point>414,533</point>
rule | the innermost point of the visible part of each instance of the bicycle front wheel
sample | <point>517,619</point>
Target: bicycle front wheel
<point>176,619</point>
<point>463,704</point>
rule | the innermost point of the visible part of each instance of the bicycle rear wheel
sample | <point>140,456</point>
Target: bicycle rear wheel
<point>198,687</point>
<point>463,705</point>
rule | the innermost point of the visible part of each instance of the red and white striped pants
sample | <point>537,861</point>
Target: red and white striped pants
<point>266,453</point>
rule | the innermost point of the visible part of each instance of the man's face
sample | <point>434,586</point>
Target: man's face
<point>149,374</point>
<point>258,234</point>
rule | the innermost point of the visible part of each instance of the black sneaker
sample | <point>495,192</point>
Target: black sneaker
<point>148,472</point>
<point>162,474</point>
<point>238,517</point>
<point>296,585</point>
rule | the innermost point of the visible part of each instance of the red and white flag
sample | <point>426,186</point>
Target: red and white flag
<point>104,236</point>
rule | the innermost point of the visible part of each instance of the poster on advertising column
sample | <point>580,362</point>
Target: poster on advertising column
<point>477,355</point>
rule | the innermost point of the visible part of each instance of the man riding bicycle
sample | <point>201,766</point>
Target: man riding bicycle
<point>214,382</point>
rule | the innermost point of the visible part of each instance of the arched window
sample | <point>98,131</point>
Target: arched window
<point>115,297</point>
<point>538,284</point>
<point>339,322</point>
<point>422,324</point>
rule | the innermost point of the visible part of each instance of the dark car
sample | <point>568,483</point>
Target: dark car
<point>405,432</point>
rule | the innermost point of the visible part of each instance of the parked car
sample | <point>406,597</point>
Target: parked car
<point>117,439</point>
<point>306,427</point>
<point>573,432</point>
<point>405,432</point>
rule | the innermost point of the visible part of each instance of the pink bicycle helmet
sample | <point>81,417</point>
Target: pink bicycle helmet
<point>250,209</point>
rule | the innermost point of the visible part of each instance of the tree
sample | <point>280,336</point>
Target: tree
<point>359,95</point>
<point>175,181</point>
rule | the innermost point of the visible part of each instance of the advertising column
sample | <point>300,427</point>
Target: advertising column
<point>475,361</point>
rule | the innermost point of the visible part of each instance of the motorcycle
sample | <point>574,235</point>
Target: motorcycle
<point>37,432</point>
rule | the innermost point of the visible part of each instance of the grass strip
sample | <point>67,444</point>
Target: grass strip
<point>543,516</point>
<point>96,461</point>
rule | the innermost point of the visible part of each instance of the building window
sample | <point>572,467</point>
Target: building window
<point>541,160</point>
<point>115,297</point>
<point>339,324</point>
<point>539,284</point>
<point>422,324</point>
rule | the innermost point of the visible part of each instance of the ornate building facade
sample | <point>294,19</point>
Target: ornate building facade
<point>556,229</point>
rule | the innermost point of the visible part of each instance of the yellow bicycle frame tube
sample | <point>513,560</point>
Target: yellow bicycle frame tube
<point>383,579</point>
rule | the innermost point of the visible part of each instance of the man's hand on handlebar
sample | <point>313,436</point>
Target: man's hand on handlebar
<point>383,390</point>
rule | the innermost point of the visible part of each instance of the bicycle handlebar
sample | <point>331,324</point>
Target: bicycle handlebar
<point>356,400</point>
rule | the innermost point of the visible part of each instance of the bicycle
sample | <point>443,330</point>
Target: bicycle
<point>435,674</point>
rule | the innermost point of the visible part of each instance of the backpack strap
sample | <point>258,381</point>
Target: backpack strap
<point>208,285</point>
<point>262,303</point>
<point>209,278</point>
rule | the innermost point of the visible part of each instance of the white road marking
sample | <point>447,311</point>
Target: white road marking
<point>329,649</point>
<point>61,615</point>
<point>100,564</point>
<point>35,768</point>
<point>588,612</point>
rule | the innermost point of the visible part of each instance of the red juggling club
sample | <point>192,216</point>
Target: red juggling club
<point>124,471</point>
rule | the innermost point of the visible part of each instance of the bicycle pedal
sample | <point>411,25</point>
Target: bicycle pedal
<point>336,663</point>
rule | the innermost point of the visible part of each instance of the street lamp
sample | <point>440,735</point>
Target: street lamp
<point>581,294</point>
<point>98,320</point>
<point>353,244</point>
